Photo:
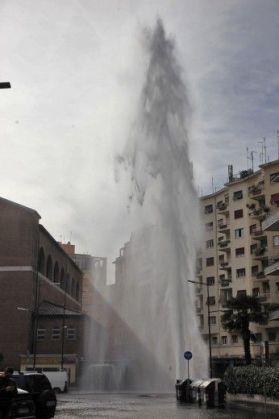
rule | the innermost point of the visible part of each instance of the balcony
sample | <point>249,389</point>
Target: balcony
<point>223,208</point>
<point>271,223</point>
<point>258,234</point>
<point>259,275</point>
<point>224,245</point>
<point>225,266</point>
<point>225,283</point>
<point>257,191</point>
<point>260,253</point>
<point>224,227</point>
<point>259,213</point>
<point>273,267</point>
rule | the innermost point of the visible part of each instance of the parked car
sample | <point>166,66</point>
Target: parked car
<point>22,406</point>
<point>41,391</point>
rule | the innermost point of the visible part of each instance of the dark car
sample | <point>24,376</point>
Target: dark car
<point>22,406</point>
<point>41,391</point>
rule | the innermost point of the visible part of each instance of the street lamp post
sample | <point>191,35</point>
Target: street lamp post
<point>63,326</point>
<point>208,321</point>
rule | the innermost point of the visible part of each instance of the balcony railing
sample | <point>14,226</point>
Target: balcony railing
<point>260,275</point>
<point>257,234</point>
<point>223,207</point>
<point>256,191</point>
<point>259,252</point>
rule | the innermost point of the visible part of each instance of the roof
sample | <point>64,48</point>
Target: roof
<point>49,309</point>
<point>23,207</point>
<point>270,163</point>
<point>47,233</point>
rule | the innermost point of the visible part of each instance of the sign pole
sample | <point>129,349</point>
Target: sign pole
<point>188,355</point>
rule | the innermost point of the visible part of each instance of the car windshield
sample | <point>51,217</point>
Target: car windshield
<point>38,383</point>
<point>35,383</point>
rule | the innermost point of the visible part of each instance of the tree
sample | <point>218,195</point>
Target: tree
<point>241,311</point>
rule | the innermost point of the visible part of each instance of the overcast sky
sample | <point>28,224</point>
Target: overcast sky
<point>77,68</point>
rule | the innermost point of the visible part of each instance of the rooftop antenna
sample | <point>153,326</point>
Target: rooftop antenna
<point>278,143</point>
<point>247,157</point>
<point>251,157</point>
<point>212,181</point>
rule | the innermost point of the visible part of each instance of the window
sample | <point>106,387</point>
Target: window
<point>274,177</point>
<point>234,338</point>
<point>256,292</point>
<point>41,334</point>
<point>271,336</point>
<point>224,340</point>
<point>208,209</point>
<point>214,340</point>
<point>71,333</point>
<point>258,337</point>
<point>210,280</point>
<point>239,252</point>
<point>275,240</point>
<point>240,272</point>
<point>209,226</point>
<point>238,233</point>
<point>209,243</point>
<point>238,213</point>
<point>209,261</point>
<point>253,228</point>
<point>274,200</point>
<point>237,195</point>
<point>56,333</point>
<point>212,319</point>
<point>211,301</point>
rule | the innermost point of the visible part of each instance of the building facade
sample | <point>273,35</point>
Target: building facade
<point>240,255</point>
<point>40,299</point>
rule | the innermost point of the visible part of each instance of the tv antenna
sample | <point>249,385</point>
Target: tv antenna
<point>263,152</point>
<point>278,142</point>
<point>250,156</point>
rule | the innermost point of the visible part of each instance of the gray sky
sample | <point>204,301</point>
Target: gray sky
<point>77,68</point>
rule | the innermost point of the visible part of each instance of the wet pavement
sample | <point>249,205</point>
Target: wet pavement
<point>144,406</point>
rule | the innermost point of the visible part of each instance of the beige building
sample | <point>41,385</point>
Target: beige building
<point>240,255</point>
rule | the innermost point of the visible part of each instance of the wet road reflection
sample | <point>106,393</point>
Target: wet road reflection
<point>131,406</point>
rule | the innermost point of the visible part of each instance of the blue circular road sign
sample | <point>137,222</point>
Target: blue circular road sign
<point>188,355</point>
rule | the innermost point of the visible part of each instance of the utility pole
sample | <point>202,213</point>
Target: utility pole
<point>63,323</point>
<point>206,284</point>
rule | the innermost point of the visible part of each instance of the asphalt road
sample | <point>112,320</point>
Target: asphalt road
<point>144,406</point>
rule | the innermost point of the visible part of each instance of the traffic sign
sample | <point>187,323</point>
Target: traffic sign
<point>188,355</point>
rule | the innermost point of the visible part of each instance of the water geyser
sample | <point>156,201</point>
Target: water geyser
<point>152,296</point>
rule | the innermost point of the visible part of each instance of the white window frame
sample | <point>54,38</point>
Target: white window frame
<point>41,333</point>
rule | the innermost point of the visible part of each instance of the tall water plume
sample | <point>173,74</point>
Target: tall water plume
<point>153,320</point>
<point>160,256</point>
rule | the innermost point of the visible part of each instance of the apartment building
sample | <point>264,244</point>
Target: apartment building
<point>240,255</point>
<point>41,319</point>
